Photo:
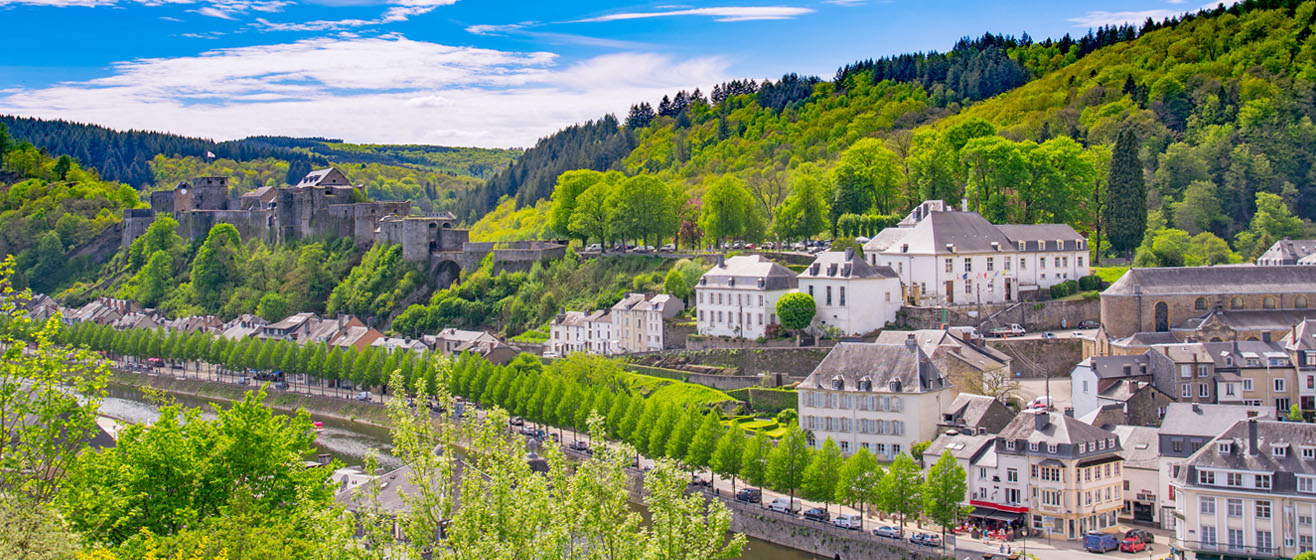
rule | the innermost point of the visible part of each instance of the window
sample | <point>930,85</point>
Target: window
<point>1023,264</point>
<point>1032,446</point>
<point>1263,509</point>
<point>1236,539</point>
<point>1233,479</point>
<point>1012,497</point>
<point>1279,384</point>
<point>1009,444</point>
<point>968,287</point>
<point>1185,371</point>
<point>829,295</point>
<point>843,296</point>
<point>968,265</point>
<point>1012,475</point>
<point>1206,505</point>
<point>1041,262</point>
<point>991,264</point>
<point>1268,302</point>
<point>1234,507</point>
<point>1186,391</point>
<point>1051,448</point>
<point>1264,543</point>
<point>1177,446</point>
<point>1203,390</point>
<point>1203,371</point>
<point>1300,302</point>
<point>811,290</point>
<point>1080,261</point>
<point>1206,478</point>
<point>1006,261</point>
<point>1200,304</point>
<point>950,265</point>
<point>1263,481</point>
<point>1236,303</point>
<point>1052,498</point>
<point>1247,383</point>
<point>1208,535</point>
<point>1309,453</point>
<point>1281,451</point>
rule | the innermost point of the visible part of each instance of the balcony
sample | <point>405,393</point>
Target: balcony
<point>1227,548</point>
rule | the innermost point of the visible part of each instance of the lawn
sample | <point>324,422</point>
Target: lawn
<point>1109,274</point>
<point>676,392</point>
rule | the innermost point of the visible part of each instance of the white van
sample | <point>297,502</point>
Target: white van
<point>784,505</point>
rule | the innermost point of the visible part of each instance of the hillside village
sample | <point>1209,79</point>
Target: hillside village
<point>1163,351</point>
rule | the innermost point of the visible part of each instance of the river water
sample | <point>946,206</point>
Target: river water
<point>350,442</point>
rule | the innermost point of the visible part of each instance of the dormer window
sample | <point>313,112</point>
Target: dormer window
<point>1051,448</point>
<point>1032,446</point>
<point>1280,450</point>
<point>1308,453</point>
<point>1224,447</point>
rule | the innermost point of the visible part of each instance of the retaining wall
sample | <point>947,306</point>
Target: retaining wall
<point>1035,357</point>
<point>791,362</point>
<point>823,540</point>
<point>1039,315</point>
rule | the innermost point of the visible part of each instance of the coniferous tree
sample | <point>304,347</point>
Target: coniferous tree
<point>1126,209</point>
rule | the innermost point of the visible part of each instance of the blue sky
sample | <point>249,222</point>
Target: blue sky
<point>456,72</point>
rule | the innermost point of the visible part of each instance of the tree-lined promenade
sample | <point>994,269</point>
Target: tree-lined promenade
<point>564,395</point>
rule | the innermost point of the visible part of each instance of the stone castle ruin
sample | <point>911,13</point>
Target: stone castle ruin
<point>326,204</point>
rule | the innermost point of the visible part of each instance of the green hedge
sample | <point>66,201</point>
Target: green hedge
<point>665,373</point>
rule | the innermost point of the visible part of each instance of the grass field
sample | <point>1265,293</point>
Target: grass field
<point>1109,274</point>
<point>676,392</point>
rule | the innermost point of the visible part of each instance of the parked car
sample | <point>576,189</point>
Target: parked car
<point>847,521</point>
<point>179,378</point>
<point>1143,534</point>
<point>696,481</point>
<point>817,514</point>
<point>925,539</point>
<point>516,421</point>
<point>282,385</point>
<point>363,396</point>
<point>1088,324</point>
<point>887,531</point>
<point>784,505</point>
<point>668,248</point>
<point>1096,541</point>
<point>1132,544</point>
<point>750,495</point>
<point>580,447</point>
<point>1049,334</point>
<point>1041,403</point>
<point>243,381</point>
<point>1012,329</point>
<point>594,248</point>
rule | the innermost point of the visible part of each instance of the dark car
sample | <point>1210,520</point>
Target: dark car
<point>695,480</point>
<point>750,495</point>
<point>282,385</point>
<point>817,514</point>
<point>925,539</point>
<point>1088,324</point>
<point>580,447</point>
<point>1140,534</point>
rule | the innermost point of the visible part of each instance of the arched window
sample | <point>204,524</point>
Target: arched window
<point>1236,303</point>
<point>1200,304</point>
<point>1162,317</point>
<point>1268,302</point>
<point>1300,302</point>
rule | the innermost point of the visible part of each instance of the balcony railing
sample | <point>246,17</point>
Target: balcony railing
<point>1229,548</point>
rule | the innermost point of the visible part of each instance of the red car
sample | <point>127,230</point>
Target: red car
<point>1132,544</point>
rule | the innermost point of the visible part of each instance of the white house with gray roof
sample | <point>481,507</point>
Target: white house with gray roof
<point>1288,252</point>
<point>1186,428</point>
<point>1249,493</point>
<point>851,295</point>
<point>949,257</point>
<point>883,397</point>
<point>738,296</point>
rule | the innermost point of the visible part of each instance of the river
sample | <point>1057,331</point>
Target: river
<point>349,443</point>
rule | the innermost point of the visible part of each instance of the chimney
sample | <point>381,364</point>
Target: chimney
<point>721,261</point>
<point>911,343</point>
<point>1041,420</point>
<point>849,253</point>
<point>1252,437</point>
<point>1197,409</point>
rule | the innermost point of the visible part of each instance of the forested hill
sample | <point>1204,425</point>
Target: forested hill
<point>973,70</point>
<point>128,156</point>
<point>1219,104</point>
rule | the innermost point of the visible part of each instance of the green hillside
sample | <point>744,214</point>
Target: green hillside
<point>1219,105</point>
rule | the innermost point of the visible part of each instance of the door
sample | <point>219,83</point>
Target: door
<point>950,292</point>
<point>1162,317</point>
<point>1007,289</point>
<point>1143,512</point>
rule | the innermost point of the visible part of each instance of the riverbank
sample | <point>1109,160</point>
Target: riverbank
<point>354,412</point>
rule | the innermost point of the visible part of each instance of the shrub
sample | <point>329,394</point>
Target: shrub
<point>1089,283</point>
<point>1064,289</point>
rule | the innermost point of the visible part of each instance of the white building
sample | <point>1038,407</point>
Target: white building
<point>637,321</point>
<point>576,331</point>
<point>1188,427</point>
<point>883,397</point>
<point>1288,252</point>
<point>949,257</point>
<point>738,297</point>
<point>851,295</point>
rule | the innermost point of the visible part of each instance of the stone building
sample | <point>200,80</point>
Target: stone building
<point>1157,299</point>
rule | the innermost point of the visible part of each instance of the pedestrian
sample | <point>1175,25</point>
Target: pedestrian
<point>1002,549</point>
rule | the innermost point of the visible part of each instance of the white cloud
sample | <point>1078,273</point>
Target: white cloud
<point>495,29</point>
<point>399,10</point>
<point>737,13</point>
<point>377,89</point>
<point>1101,18</point>
<point>844,2</point>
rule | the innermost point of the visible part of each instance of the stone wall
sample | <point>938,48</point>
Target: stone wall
<point>1034,316</point>
<point>703,342</point>
<point>789,362</point>
<point>821,539</point>
<point>1035,357</point>
<point>724,382</point>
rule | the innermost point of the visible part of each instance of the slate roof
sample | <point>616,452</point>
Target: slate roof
<point>1139,446</point>
<point>961,446</point>
<point>1209,420</point>
<point>844,264</point>
<point>885,239</point>
<point>969,232</point>
<point>746,272</point>
<point>882,364</point>
<point>1239,279</point>
<point>1060,429</point>
<point>293,321</point>
<point>944,345</point>
<point>1302,336</point>
<point>1110,367</point>
<point>1043,237</point>
<point>1289,251</point>
<point>1250,319</point>
<point>1269,432</point>
<point>978,411</point>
